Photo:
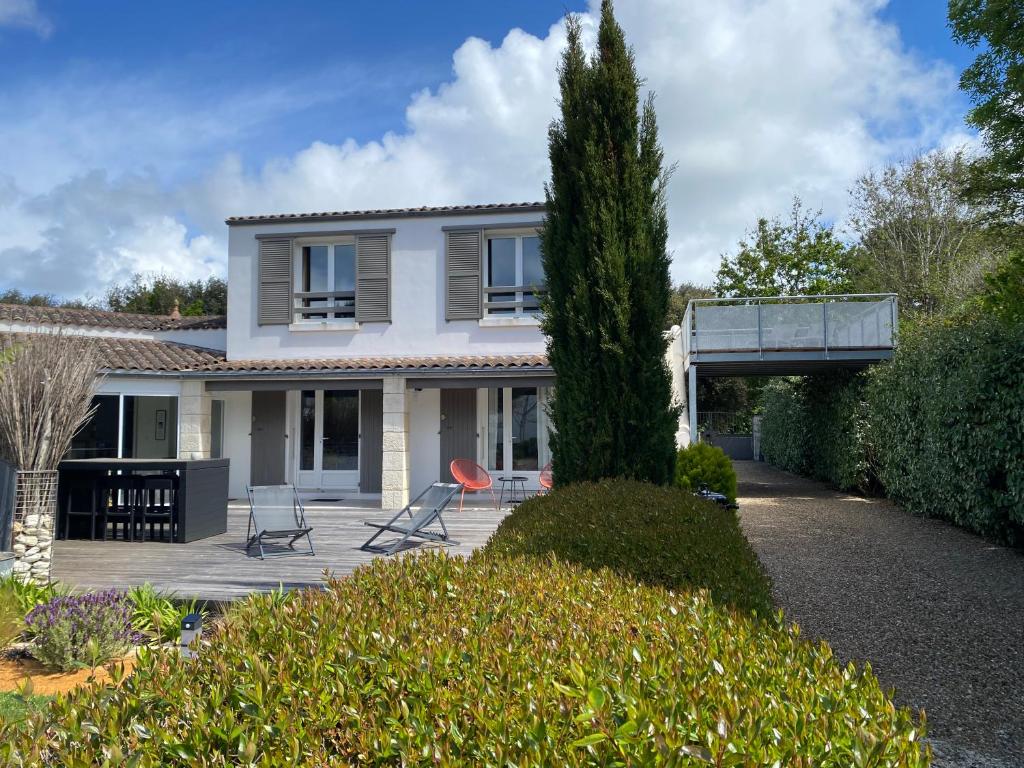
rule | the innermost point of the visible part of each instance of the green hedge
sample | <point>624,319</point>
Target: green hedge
<point>440,661</point>
<point>703,464</point>
<point>940,428</point>
<point>947,425</point>
<point>661,536</point>
<point>817,426</point>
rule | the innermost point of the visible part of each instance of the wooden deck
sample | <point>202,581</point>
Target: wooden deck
<point>218,568</point>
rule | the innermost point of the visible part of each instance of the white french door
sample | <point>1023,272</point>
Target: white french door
<point>516,430</point>
<point>328,453</point>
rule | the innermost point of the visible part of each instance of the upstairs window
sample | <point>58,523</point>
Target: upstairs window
<point>513,274</point>
<point>326,283</point>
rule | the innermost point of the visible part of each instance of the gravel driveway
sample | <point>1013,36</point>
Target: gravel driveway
<point>937,611</point>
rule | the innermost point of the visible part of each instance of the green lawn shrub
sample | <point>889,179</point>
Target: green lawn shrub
<point>702,464</point>
<point>30,594</point>
<point>659,535</point>
<point>14,707</point>
<point>12,618</point>
<point>441,661</point>
<point>158,615</point>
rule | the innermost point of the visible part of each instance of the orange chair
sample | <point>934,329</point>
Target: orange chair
<point>546,479</point>
<point>473,477</point>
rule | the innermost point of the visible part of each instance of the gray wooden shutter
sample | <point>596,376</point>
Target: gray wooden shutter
<point>373,277</point>
<point>274,300</point>
<point>463,274</point>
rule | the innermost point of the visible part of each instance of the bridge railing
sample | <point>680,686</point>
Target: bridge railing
<point>793,323</point>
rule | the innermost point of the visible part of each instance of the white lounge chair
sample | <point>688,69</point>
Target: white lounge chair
<point>410,522</point>
<point>275,512</point>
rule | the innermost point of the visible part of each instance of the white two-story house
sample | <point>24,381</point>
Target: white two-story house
<point>362,351</point>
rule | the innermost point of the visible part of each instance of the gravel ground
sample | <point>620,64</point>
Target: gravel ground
<point>937,611</point>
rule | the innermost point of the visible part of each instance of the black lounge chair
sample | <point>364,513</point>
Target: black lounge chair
<point>275,512</point>
<point>411,522</point>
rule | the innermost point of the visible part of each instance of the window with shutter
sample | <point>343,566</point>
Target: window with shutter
<point>274,300</point>
<point>463,287</point>
<point>373,277</point>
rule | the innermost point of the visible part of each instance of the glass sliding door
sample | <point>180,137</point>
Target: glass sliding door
<point>97,439</point>
<point>517,430</point>
<point>525,412</point>
<point>328,455</point>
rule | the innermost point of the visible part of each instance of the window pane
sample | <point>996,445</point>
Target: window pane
<point>345,267</point>
<point>495,429</point>
<point>97,439</point>
<point>524,430</point>
<point>341,430</point>
<point>150,429</point>
<point>501,261</point>
<point>314,274</point>
<point>316,268</point>
<point>307,429</point>
<point>533,269</point>
<point>216,429</point>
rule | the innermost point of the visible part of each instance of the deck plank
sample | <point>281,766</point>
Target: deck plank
<point>218,568</point>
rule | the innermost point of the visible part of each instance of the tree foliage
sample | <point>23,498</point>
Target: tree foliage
<point>607,268</point>
<point>798,255</point>
<point>156,295</point>
<point>15,296</point>
<point>681,296</point>
<point>1004,296</point>
<point>995,83</point>
<point>920,236</point>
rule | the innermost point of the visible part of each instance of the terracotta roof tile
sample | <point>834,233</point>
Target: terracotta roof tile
<point>456,362</point>
<point>382,213</point>
<point>144,355</point>
<point>19,313</point>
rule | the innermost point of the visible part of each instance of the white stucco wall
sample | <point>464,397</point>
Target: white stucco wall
<point>417,326</point>
<point>424,439</point>
<point>237,440</point>
<point>675,358</point>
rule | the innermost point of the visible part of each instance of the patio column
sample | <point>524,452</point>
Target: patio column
<point>395,461</point>
<point>691,387</point>
<point>194,421</point>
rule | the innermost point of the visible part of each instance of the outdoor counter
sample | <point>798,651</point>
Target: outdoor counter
<point>202,488</point>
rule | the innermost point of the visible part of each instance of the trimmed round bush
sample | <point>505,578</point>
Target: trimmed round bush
<point>703,464</point>
<point>658,535</point>
<point>434,660</point>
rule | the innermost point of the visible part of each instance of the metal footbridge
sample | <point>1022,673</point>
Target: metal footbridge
<point>784,336</point>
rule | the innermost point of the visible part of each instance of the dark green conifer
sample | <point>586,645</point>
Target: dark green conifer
<point>607,270</point>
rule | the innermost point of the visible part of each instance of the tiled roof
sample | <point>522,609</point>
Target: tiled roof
<point>445,363</point>
<point>19,313</point>
<point>384,213</point>
<point>145,355</point>
<point>120,354</point>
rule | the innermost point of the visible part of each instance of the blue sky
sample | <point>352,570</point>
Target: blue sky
<point>132,129</point>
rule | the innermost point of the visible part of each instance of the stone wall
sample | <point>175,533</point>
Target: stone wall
<point>194,421</point>
<point>395,461</point>
<point>33,526</point>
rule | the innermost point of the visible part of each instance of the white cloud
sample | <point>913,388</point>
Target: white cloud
<point>757,100</point>
<point>24,13</point>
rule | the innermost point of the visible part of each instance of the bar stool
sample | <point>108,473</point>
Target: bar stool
<point>159,504</point>
<point>118,495</point>
<point>93,512</point>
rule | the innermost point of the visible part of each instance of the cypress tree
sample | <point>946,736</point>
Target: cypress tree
<point>607,270</point>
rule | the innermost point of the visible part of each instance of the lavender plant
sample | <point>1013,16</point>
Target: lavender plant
<point>78,631</point>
